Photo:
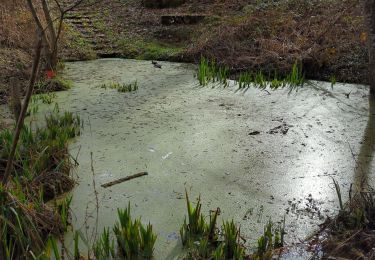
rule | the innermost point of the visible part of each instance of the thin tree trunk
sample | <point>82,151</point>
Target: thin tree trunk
<point>39,24</point>
<point>49,21</point>
<point>25,105</point>
<point>370,13</point>
<point>52,56</point>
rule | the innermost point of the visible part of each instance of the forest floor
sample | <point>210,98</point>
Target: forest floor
<point>326,37</point>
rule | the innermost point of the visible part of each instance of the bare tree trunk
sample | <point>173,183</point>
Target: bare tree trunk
<point>22,115</point>
<point>370,13</point>
<point>51,34</point>
<point>52,56</point>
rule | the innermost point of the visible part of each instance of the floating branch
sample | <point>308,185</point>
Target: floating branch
<point>109,184</point>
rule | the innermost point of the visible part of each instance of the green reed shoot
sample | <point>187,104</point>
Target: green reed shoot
<point>133,239</point>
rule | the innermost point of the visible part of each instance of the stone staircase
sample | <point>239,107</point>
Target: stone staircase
<point>85,20</point>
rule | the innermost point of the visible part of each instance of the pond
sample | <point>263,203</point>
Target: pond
<point>255,155</point>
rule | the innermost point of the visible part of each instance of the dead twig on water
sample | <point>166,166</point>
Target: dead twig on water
<point>109,184</point>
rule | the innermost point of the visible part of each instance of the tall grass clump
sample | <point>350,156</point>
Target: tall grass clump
<point>210,72</point>
<point>133,239</point>
<point>25,224</point>
<point>351,233</point>
<point>272,238</point>
<point>120,87</point>
<point>40,172</point>
<point>104,248</point>
<point>357,213</point>
<point>43,151</point>
<point>203,240</point>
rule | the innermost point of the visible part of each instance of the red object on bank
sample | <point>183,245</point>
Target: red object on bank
<point>50,74</point>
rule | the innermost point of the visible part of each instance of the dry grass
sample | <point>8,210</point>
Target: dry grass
<point>16,41</point>
<point>16,25</point>
<point>325,36</point>
<point>351,234</point>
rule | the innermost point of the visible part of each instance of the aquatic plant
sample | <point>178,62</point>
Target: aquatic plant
<point>133,239</point>
<point>41,171</point>
<point>104,247</point>
<point>210,72</point>
<point>121,87</point>
<point>63,207</point>
<point>202,239</point>
<point>52,83</point>
<point>295,78</point>
<point>24,226</point>
<point>271,239</point>
<point>355,222</point>
<point>196,228</point>
<point>128,87</point>
<point>76,252</point>
<point>333,81</point>
<point>338,192</point>
<point>232,246</point>
<point>42,155</point>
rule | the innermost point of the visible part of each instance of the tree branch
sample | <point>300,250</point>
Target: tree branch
<point>49,21</point>
<point>38,23</point>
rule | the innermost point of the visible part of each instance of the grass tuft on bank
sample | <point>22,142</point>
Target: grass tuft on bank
<point>41,171</point>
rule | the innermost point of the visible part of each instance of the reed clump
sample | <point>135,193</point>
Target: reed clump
<point>133,238</point>
<point>210,72</point>
<point>203,239</point>
<point>121,87</point>
<point>41,171</point>
<point>351,233</point>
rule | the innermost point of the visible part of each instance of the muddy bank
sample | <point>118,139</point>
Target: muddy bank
<point>255,155</point>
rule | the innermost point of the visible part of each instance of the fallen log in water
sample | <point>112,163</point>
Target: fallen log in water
<point>109,184</point>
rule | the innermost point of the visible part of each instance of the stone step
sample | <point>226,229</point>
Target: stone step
<point>83,19</point>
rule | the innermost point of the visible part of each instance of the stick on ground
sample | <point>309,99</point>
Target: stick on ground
<point>109,184</point>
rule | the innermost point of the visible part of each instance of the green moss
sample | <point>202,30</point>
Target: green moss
<point>161,52</point>
<point>78,44</point>
<point>140,49</point>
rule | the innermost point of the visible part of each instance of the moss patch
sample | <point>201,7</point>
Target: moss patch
<point>143,50</point>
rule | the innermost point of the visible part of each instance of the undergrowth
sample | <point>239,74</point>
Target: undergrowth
<point>351,233</point>
<point>41,171</point>
<point>205,240</point>
<point>133,239</point>
<point>56,83</point>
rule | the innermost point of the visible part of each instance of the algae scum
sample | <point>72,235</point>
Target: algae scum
<point>255,155</point>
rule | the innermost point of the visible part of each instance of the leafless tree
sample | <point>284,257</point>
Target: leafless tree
<point>49,35</point>
<point>50,23</point>
<point>21,117</point>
